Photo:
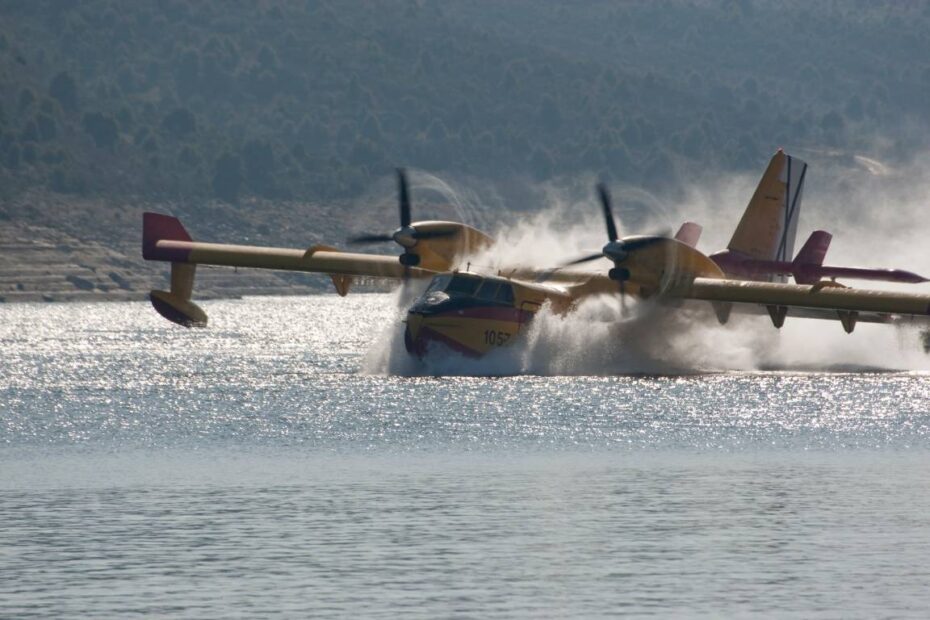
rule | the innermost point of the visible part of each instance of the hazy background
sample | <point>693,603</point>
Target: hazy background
<point>281,122</point>
<point>285,461</point>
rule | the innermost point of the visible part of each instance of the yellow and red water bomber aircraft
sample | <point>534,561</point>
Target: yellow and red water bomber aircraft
<point>473,313</point>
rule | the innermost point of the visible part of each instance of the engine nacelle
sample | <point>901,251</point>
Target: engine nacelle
<point>453,241</point>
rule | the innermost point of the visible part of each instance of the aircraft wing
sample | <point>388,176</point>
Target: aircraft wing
<point>317,259</point>
<point>795,312</point>
<point>553,275</point>
<point>814,301</point>
<point>165,239</point>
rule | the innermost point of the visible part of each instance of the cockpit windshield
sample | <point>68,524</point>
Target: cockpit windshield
<point>462,285</point>
<point>437,284</point>
<point>488,289</point>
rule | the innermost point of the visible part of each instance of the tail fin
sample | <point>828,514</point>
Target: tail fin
<point>812,254</point>
<point>814,249</point>
<point>176,305</point>
<point>769,225</point>
<point>689,233</point>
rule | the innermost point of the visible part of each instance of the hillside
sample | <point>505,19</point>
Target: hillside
<point>196,105</point>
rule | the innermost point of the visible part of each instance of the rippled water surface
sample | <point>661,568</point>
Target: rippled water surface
<point>290,461</point>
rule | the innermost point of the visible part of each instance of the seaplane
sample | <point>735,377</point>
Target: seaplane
<point>471,312</point>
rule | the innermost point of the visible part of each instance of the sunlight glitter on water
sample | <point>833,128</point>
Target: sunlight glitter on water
<point>288,370</point>
<point>272,465</point>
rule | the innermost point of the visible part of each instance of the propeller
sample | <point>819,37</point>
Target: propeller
<point>363,239</point>
<point>604,196</point>
<point>407,235</point>
<point>617,249</point>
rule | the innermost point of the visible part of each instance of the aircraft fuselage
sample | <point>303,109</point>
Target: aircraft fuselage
<point>474,314</point>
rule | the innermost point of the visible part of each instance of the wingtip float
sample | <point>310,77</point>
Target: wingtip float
<point>474,313</point>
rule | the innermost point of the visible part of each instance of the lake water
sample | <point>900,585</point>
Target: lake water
<point>291,460</point>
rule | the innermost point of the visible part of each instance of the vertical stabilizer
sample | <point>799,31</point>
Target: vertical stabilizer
<point>689,234</point>
<point>814,249</point>
<point>811,256</point>
<point>769,225</point>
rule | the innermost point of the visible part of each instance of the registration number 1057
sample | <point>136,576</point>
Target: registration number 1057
<point>496,338</point>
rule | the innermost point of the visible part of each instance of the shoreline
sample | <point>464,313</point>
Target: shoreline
<point>39,264</point>
<point>94,252</point>
<point>125,296</point>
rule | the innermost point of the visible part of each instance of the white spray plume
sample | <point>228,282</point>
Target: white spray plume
<point>876,213</point>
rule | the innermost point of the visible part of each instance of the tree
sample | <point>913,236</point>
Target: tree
<point>189,158</point>
<point>150,145</point>
<point>30,154</point>
<point>46,126</point>
<point>187,74</point>
<point>541,163</point>
<point>64,89</point>
<point>267,58</point>
<point>549,115</point>
<point>101,128</point>
<point>854,108</point>
<point>27,98</point>
<point>227,177</point>
<point>64,180</point>
<point>13,157</point>
<point>832,124</point>
<point>30,132</point>
<point>180,122</point>
<point>258,163</point>
<point>371,129</point>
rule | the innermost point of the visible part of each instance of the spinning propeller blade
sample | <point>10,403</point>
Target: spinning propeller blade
<point>616,249</point>
<point>404,194</point>
<point>404,208</point>
<point>604,195</point>
<point>406,236</point>
<point>608,211</point>
<point>583,259</point>
<point>365,239</point>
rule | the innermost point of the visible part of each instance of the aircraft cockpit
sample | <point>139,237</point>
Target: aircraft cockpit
<point>459,287</point>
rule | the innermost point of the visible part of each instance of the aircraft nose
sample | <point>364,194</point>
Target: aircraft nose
<point>412,333</point>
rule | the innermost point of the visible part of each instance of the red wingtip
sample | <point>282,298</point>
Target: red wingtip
<point>157,227</point>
